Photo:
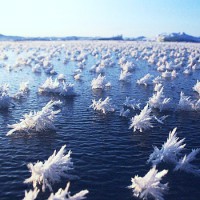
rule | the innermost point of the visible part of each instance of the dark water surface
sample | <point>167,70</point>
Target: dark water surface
<point>105,153</point>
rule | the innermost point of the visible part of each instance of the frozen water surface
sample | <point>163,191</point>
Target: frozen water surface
<point>105,152</point>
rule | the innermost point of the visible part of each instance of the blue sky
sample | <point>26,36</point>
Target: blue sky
<point>99,17</point>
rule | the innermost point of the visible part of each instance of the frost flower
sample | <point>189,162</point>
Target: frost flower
<point>169,151</point>
<point>197,87</point>
<point>143,120</point>
<point>184,164</point>
<point>37,121</point>
<point>146,80</point>
<point>65,194</point>
<point>31,195</point>
<point>50,171</point>
<point>103,105</point>
<point>149,186</point>
<point>158,100</point>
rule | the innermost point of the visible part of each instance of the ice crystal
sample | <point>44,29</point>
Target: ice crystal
<point>65,194</point>
<point>50,171</point>
<point>170,150</point>
<point>36,121</point>
<point>150,185</point>
<point>143,120</point>
<point>103,105</point>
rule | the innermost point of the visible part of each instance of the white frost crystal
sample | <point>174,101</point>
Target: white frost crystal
<point>169,151</point>
<point>31,195</point>
<point>36,121</point>
<point>143,120</point>
<point>103,105</point>
<point>184,164</point>
<point>50,171</point>
<point>65,194</point>
<point>149,186</point>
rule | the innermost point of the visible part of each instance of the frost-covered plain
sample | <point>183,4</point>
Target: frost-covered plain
<point>103,87</point>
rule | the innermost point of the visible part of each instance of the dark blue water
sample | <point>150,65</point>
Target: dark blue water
<point>105,153</point>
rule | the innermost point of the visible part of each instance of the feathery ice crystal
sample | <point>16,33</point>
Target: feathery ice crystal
<point>169,151</point>
<point>158,100</point>
<point>149,186</point>
<point>197,87</point>
<point>5,98</point>
<point>143,120</point>
<point>131,103</point>
<point>99,82</point>
<point>56,87</point>
<point>37,121</point>
<point>23,90</point>
<point>104,106</point>
<point>50,171</point>
<point>31,195</point>
<point>124,113</point>
<point>184,164</point>
<point>65,194</point>
<point>125,76</point>
<point>146,80</point>
<point>157,87</point>
<point>185,103</point>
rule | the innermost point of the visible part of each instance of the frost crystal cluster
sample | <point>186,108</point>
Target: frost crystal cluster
<point>5,99</point>
<point>37,121</point>
<point>23,90</point>
<point>99,82</point>
<point>31,195</point>
<point>170,150</point>
<point>103,105</point>
<point>184,164</point>
<point>143,120</point>
<point>187,104</point>
<point>146,80</point>
<point>56,87</point>
<point>150,185</point>
<point>158,100</point>
<point>131,103</point>
<point>50,171</point>
<point>65,194</point>
<point>197,87</point>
